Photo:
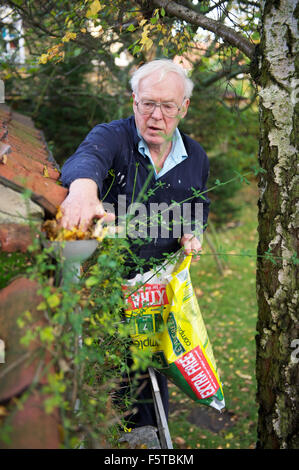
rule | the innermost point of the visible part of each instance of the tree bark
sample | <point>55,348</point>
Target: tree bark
<point>277,287</point>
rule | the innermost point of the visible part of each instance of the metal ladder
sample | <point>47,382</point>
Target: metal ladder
<point>164,434</point>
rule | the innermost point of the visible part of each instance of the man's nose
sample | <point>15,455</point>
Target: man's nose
<point>157,113</point>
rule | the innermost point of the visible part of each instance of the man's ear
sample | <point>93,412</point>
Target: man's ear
<point>184,109</point>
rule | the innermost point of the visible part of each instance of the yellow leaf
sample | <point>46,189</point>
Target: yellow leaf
<point>69,36</point>
<point>94,8</point>
<point>42,306</point>
<point>142,22</point>
<point>53,300</point>
<point>3,411</point>
<point>143,38</point>
<point>43,59</point>
<point>46,334</point>
<point>3,159</point>
<point>216,293</point>
<point>126,429</point>
<point>147,42</point>
<point>45,172</point>
<point>28,315</point>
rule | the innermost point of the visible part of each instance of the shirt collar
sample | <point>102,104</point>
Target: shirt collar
<point>178,150</point>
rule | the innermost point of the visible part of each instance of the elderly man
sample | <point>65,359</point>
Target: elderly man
<point>144,149</point>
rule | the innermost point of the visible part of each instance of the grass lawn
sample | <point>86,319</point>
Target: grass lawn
<point>228,305</point>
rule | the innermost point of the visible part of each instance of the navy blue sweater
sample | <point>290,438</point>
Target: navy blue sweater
<point>109,155</point>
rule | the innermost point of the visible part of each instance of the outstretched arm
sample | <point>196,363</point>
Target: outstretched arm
<point>82,205</point>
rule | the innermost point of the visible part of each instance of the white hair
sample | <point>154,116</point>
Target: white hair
<point>164,66</point>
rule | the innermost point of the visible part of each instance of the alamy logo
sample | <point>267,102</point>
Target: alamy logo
<point>295,353</point>
<point>2,92</point>
<point>2,351</point>
<point>154,220</point>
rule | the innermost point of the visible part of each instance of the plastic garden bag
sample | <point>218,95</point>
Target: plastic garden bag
<point>165,319</point>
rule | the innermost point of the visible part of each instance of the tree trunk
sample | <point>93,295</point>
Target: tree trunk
<point>277,291</point>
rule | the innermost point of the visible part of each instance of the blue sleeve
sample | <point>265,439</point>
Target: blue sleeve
<point>94,157</point>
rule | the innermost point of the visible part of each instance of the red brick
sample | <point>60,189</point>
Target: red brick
<point>32,428</point>
<point>15,237</point>
<point>47,193</point>
<point>27,165</point>
<point>33,165</point>
<point>20,367</point>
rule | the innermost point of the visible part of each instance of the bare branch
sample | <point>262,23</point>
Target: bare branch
<point>228,34</point>
<point>225,73</point>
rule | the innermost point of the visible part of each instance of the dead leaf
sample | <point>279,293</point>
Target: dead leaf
<point>3,411</point>
<point>198,292</point>
<point>243,376</point>
<point>3,159</point>
<point>45,172</point>
<point>179,441</point>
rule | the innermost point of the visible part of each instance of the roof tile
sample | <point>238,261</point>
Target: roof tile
<point>29,164</point>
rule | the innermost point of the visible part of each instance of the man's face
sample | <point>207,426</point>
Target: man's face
<point>156,126</point>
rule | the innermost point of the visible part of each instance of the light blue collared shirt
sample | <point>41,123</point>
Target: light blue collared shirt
<point>177,153</point>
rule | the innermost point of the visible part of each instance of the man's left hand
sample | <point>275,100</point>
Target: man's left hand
<point>191,245</point>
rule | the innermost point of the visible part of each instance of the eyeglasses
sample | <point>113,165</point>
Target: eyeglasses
<point>168,109</point>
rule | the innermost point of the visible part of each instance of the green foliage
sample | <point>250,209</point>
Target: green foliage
<point>84,339</point>
<point>79,84</point>
<point>223,117</point>
<point>69,98</point>
<point>224,124</point>
<point>12,265</point>
<point>223,204</point>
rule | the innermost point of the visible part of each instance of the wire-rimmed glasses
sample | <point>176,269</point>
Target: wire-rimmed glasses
<point>168,109</point>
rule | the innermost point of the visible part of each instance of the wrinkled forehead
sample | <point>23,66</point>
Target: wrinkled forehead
<point>164,83</point>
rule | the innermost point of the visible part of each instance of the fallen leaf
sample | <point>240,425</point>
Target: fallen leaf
<point>216,293</point>
<point>179,441</point>
<point>243,376</point>
<point>3,411</point>
<point>45,172</point>
<point>3,159</point>
<point>198,292</point>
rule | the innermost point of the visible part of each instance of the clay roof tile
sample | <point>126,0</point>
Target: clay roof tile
<point>28,164</point>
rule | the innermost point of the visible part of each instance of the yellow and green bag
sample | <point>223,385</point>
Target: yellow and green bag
<point>166,320</point>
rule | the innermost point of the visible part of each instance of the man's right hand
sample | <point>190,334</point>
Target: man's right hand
<point>82,205</point>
